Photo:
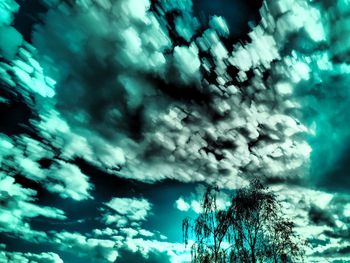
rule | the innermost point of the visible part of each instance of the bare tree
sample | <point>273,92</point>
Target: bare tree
<point>251,229</point>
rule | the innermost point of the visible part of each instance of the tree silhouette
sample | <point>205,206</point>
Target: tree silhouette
<point>251,229</point>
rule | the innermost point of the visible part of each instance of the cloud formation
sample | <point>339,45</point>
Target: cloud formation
<point>23,155</point>
<point>17,208</point>
<point>13,257</point>
<point>171,121</point>
<point>133,209</point>
<point>146,91</point>
<point>211,130</point>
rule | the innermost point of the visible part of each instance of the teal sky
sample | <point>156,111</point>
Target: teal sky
<point>115,116</point>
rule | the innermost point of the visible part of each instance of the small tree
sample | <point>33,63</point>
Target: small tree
<point>251,229</point>
<point>209,229</point>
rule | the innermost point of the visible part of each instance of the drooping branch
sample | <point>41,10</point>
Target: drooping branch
<point>251,229</point>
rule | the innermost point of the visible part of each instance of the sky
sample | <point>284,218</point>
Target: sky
<point>116,115</point>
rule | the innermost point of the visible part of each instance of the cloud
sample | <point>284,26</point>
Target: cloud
<point>147,92</point>
<point>182,205</point>
<point>194,200</point>
<point>109,245</point>
<point>120,241</point>
<point>219,24</point>
<point>69,181</point>
<point>130,135</point>
<point>175,251</point>
<point>53,127</point>
<point>187,61</point>
<point>131,208</point>
<point>127,97</point>
<point>24,73</point>
<point>61,177</point>
<point>44,257</point>
<point>319,218</point>
<point>96,249</point>
<point>17,208</point>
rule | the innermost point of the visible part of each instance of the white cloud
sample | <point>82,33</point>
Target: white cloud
<point>187,62</point>
<point>67,180</point>
<point>15,257</point>
<point>176,251</point>
<point>81,246</point>
<point>321,227</point>
<point>182,205</point>
<point>194,201</point>
<point>23,153</point>
<point>146,233</point>
<point>131,208</point>
<point>17,208</point>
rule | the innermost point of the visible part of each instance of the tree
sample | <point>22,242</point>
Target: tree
<point>252,229</point>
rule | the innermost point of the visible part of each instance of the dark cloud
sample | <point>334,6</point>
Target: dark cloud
<point>320,216</point>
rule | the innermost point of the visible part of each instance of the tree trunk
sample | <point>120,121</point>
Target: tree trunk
<point>253,256</point>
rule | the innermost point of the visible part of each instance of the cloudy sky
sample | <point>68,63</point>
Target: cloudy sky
<point>115,115</point>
